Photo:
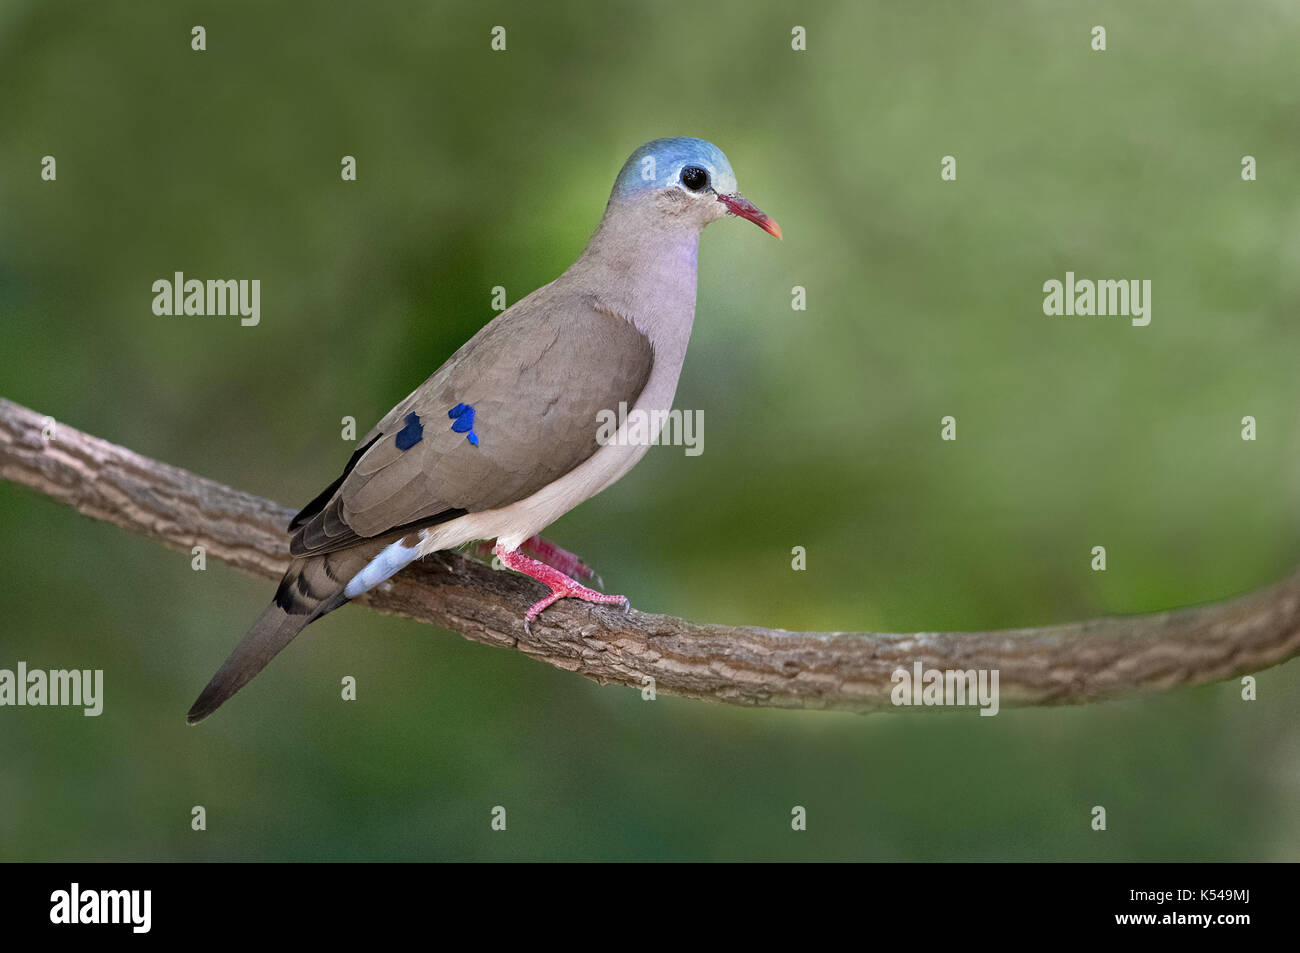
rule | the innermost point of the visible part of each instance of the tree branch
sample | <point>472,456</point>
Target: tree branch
<point>1076,662</point>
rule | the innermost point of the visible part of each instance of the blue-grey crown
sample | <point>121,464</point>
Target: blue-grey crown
<point>659,163</point>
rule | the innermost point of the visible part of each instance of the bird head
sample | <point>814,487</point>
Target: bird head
<point>690,182</point>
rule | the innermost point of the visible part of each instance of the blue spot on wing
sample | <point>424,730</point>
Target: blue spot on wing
<point>411,434</point>
<point>463,415</point>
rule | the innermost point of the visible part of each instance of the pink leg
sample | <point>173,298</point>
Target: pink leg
<point>546,551</point>
<point>557,558</point>
<point>561,586</point>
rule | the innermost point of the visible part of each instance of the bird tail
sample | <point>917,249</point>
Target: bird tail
<point>310,588</point>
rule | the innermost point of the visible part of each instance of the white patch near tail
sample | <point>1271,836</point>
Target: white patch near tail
<point>394,558</point>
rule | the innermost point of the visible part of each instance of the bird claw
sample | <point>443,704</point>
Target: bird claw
<point>574,591</point>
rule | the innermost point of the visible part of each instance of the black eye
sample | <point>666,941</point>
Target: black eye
<point>695,178</point>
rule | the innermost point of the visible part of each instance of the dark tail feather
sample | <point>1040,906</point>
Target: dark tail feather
<point>273,631</point>
<point>310,588</point>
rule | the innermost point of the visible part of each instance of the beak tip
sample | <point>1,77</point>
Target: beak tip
<point>739,206</point>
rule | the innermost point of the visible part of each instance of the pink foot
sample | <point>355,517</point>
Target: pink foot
<point>561,586</point>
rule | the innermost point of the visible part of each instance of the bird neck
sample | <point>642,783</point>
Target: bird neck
<point>644,267</point>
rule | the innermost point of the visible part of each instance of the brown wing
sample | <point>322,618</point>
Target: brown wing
<point>536,378</point>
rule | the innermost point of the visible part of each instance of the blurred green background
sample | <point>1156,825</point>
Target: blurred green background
<point>822,427</point>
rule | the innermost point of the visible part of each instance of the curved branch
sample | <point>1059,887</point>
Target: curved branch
<point>1075,662</point>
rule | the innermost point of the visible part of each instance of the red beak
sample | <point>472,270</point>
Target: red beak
<point>739,205</point>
